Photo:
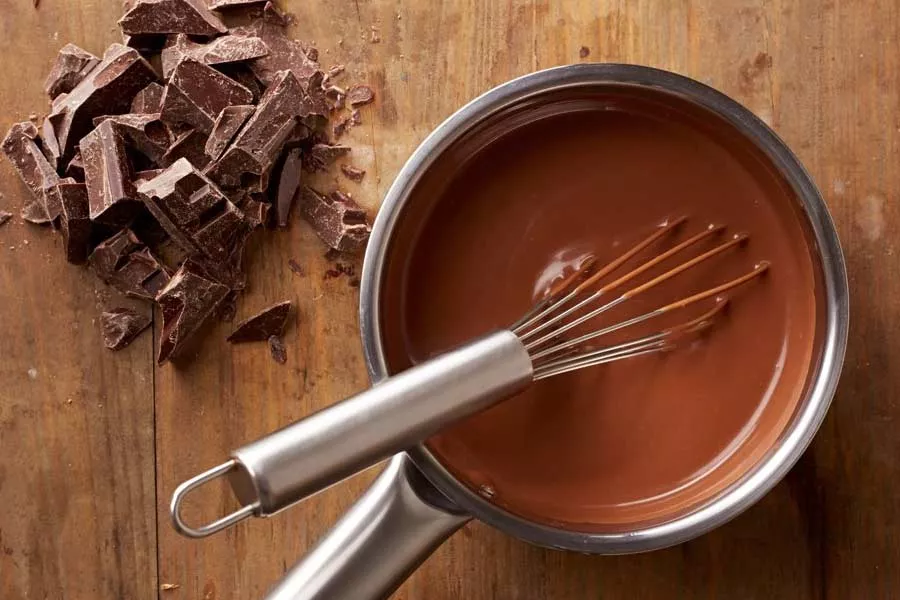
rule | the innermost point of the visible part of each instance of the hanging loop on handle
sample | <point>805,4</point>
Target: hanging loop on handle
<point>225,522</point>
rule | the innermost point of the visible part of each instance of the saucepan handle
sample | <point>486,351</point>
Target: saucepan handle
<point>383,538</point>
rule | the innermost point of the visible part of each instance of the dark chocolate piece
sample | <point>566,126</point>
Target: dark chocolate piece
<point>353,173</point>
<point>257,213</point>
<point>227,4</point>
<point>227,125</point>
<point>288,184</point>
<point>262,325</point>
<point>107,90</point>
<point>113,199</point>
<point>222,50</point>
<point>75,169</point>
<point>146,133</point>
<point>74,220</point>
<point>192,17</point>
<point>49,144</point>
<point>34,170</point>
<point>142,176</point>
<point>190,145</point>
<point>125,263</point>
<point>149,44</point>
<point>243,75</point>
<point>355,118</point>
<point>340,127</point>
<point>4,217</point>
<point>285,54</point>
<point>336,218</point>
<point>279,352</point>
<point>186,303</point>
<point>359,95</point>
<point>194,212</point>
<point>71,66</point>
<point>196,94</point>
<point>148,100</point>
<point>321,156</point>
<point>121,326</point>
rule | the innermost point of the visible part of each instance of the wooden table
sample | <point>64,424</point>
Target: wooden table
<point>93,443</point>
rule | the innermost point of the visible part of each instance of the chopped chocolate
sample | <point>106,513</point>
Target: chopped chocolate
<point>353,173</point>
<point>192,17</point>
<point>74,220</point>
<point>149,44</point>
<point>273,15</point>
<point>111,194</point>
<point>335,71</point>
<point>295,267</point>
<point>336,218</point>
<point>288,184</point>
<point>355,118</point>
<point>223,50</point>
<point>243,75</point>
<point>125,263</point>
<point>49,144</point>
<point>340,127</point>
<point>20,146</point>
<point>71,66</point>
<point>121,326</point>
<point>186,303</point>
<point>584,52</point>
<point>285,54</point>
<point>226,4</point>
<point>257,213</point>
<point>196,94</point>
<point>193,211</point>
<point>145,133</point>
<point>4,217</point>
<point>107,90</point>
<point>75,169</point>
<point>190,145</point>
<point>148,100</point>
<point>263,325</point>
<point>226,126</point>
<point>279,352</point>
<point>323,155</point>
<point>359,95</point>
<point>142,176</point>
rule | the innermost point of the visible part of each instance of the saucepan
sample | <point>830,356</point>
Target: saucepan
<point>416,503</point>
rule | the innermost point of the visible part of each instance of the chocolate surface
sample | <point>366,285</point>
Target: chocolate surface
<point>75,220</point>
<point>125,263</point>
<point>337,219</point>
<point>71,66</point>
<point>192,17</point>
<point>186,303</point>
<point>148,100</point>
<point>263,325</point>
<point>121,326</point>
<point>34,170</point>
<point>517,205</point>
<point>222,50</point>
<point>196,94</point>
<point>227,124</point>
<point>111,193</point>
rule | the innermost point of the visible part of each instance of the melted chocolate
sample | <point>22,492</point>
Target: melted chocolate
<point>516,205</point>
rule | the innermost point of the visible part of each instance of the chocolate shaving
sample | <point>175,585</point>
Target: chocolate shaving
<point>223,50</point>
<point>263,325</point>
<point>196,94</point>
<point>353,173</point>
<point>359,95</point>
<point>227,125</point>
<point>71,66</point>
<point>288,184</point>
<point>75,221</point>
<point>34,170</point>
<point>121,326</point>
<point>192,17</point>
<point>125,263</point>
<point>338,221</point>
<point>148,100</point>
<point>111,194</point>
<point>279,352</point>
<point>321,156</point>
<point>186,303</point>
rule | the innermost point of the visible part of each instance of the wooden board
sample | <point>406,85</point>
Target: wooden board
<point>85,483</point>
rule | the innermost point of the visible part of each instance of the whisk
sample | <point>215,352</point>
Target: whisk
<point>558,335</point>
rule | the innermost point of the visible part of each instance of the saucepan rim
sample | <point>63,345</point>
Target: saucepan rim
<point>811,412</point>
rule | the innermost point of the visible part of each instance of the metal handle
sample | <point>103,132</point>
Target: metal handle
<point>378,543</point>
<point>316,452</point>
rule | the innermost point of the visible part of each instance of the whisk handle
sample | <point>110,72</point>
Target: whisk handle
<point>314,453</point>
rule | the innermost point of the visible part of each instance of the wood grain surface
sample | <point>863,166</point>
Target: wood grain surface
<point>92,444</point>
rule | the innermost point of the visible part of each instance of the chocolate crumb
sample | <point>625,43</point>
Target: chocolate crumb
<point>358,95</point>
<point>584,52</point>
<point>353,173</point>
<point>295,267</point>
<point>354,283</point>
<point>263,325</point>
<point>121,326</point>
<point>4,217</point>
<point>276,347</point>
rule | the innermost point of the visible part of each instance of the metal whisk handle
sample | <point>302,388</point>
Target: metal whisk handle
<point>310,455</point>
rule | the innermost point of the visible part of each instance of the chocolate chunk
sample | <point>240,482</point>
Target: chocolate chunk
<point>146,133</point>
<point>148,100</point>
<point>21,148</point>
<point>121,326</point>
<point>355,118</point>
<point>4,217</point>
<point>227,125</point>
<point>263,325</point>
<point>340,127</point>
<point>186,303</point>
<point>244,76</point>
<point>190,145</point>
<point>193,211</point>
<point>125,263</point>
<point>285,54</point>
<point>75,169</point>
<point>196,94</point>
<point>353,173</point>
<point>75,220</point>
<point>336,218</point>
<point>288,184</point>
<point>257,213</point>
<point>71,66</point>
<point>323,155</point>
<point>359,95</point>
<point>49,144</point>
<point>222,50</point>
<point>279,352</point>
<point>107,90</point>
<point>192,17</point>
<point>113,199</point>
